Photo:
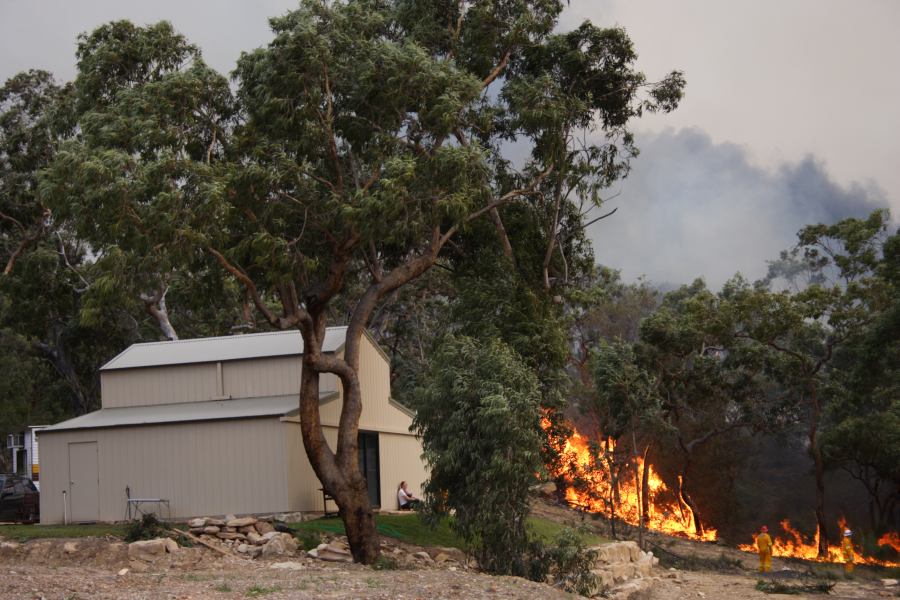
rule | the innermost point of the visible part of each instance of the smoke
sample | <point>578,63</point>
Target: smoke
<point>693,208</point>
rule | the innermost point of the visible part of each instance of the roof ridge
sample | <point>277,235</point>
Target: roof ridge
<point>228,337</point>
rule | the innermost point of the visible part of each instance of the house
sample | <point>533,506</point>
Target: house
<point>24,448</point>
<point>211,426</point>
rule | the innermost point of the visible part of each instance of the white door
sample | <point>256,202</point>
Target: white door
<point>84,482</point>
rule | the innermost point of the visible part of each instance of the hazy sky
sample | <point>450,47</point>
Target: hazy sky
<point>790,115</point>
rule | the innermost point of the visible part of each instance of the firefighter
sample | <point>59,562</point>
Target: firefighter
<point>764,545</point>
<point>847,551</point>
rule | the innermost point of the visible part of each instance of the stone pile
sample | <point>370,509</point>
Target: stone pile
<point>622,568</point>
<point>248,536</point>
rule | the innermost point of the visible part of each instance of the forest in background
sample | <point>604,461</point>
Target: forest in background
<point>131,210</point>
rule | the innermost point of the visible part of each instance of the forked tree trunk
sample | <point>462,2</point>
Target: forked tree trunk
<point>338,471</point>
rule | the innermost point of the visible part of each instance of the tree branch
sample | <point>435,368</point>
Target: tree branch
<point>497,70</point>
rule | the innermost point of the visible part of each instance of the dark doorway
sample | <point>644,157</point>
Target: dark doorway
<point>369,465</point>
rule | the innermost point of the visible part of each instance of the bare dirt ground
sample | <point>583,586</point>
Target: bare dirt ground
<point>90,568</point>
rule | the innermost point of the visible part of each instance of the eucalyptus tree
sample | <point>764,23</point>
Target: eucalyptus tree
<point>801,332</point>
<point>707,385</point>
<point>359,144</point>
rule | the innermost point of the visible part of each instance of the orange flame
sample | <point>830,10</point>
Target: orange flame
<point>794,545</point>
<point>890,539</point>
<point>591,487</point>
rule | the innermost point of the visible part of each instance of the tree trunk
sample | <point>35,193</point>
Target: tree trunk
<point>339,472</point>
<point>686,498</point>
<point>819,467</point>
<point>645,486</point>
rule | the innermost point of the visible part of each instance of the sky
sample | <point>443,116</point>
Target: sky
<point>790,114</point>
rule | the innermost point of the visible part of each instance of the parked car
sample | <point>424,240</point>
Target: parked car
<point>19,499</point>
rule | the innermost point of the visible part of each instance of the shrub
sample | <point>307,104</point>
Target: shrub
<point>148,528</point>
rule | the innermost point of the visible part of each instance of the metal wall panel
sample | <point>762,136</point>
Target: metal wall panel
<point>212,468</point>
<point>378,413</point>
<point>400,461</point>
<point>304,488</point>
<point>159,385</point>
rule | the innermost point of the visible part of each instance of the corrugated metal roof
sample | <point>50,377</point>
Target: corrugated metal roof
<point>215,349</point>
<point>210,410</point>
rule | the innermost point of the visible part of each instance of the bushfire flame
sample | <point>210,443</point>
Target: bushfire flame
<point>792,544</point>
<point>592,489</point>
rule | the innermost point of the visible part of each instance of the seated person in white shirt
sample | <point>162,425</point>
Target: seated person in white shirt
<point>405,498</point>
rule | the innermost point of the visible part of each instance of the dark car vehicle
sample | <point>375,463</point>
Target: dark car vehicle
<point>19,499</point>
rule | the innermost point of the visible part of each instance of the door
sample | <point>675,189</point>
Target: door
<point>84,482</point>
<point>369,465</point>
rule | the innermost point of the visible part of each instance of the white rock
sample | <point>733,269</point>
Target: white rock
<point>70,547</point>
<point>123,572</point>
<point>888,582</point>
<point>290,566</point>
<point>196,523</point>
<point>242,522</point>
<point>171,545</point>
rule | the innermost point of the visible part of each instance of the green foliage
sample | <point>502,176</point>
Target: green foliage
<point>308,538</point>
<point>571,563</point>
<point>147,528</point>
<point>479,422</point>
<point>256,590</point>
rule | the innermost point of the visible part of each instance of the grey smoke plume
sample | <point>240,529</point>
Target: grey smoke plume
<point>692,208</point>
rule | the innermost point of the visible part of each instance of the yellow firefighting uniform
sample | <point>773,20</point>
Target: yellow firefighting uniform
<point>847,551</point>
<point>764,545</point>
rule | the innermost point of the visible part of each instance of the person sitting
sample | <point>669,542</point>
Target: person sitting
<point>405,498</point>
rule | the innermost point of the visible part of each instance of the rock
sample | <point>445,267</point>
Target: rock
<point>246,529</point>
<point>122,572</point>
<point>424,556</point>
<point>215,522</point>
<point>441,557</point>
<point>197,530</point>
<point>268,536</point>
<point>244,548</point>
<point>275,547</point>
<point>225,535</point>
<point>171,546</point>
<point>146,550</point>
<point>242,522</point>
<point>314,552</point>
<point>228,529</point>
<point>138,566</point>
<point>211,529</point>
<point>255,539</point>
<point>230,518</point>
<point>262,527</point>
<point>197,523</point>
<point>70,547</point>
<point>294,517</point>
<point>290,566</point>
<point>888,582</point>
<point>333,553</point>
